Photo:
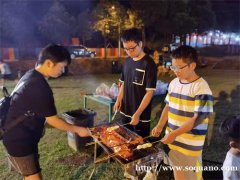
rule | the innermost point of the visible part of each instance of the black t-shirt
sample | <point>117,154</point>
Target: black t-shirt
<point>138,76</point>
<point>35,95</point>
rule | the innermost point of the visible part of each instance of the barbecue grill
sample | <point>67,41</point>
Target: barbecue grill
<point>122,145</point>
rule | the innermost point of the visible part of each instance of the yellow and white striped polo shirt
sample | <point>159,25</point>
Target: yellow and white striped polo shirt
<point>185,99</point>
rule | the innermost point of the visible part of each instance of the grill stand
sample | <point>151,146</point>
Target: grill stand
<point>149,157</point>
<point>129,168</point>
<point>94,160</point>
<point>95,157</point>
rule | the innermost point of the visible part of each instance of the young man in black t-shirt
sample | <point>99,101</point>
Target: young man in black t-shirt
<point>138,84</point>
<point>34,94</point>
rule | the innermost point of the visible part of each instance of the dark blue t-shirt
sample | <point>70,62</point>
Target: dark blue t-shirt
<point>35,95</point>
<point>138,77</point>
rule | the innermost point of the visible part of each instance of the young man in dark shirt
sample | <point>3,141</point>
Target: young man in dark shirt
<point>33,94</point>
<point>138,84</point>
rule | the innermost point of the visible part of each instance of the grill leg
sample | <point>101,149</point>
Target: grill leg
<point>94,167</point>
<point>94,160</point>
<point>95,153</point>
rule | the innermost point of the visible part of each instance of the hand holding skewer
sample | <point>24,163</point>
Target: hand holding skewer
<point>156,131</point>
<point>168,138</point>
<point>135,119</point>
<point>124,124</point>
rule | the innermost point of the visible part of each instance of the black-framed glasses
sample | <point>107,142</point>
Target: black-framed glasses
<point>130,49</point>
<point>176,68</point>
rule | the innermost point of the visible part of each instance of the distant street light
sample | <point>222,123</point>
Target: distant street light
<point>106,31</point>
<point>119,32</point>
<point>119,42</point>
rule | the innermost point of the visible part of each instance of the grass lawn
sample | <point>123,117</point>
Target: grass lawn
<point>58,161</point>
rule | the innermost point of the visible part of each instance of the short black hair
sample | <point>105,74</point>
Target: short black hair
<point>186,53</point>
<point>132,34</point>
<point>231,127</point>
<point>55,53</point>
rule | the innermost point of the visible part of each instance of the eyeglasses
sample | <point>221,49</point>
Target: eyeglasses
<point>130,49</point>
<point>175,68</point>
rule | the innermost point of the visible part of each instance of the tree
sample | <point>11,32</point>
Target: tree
<point>106,17</point>
<point>132,20</point>
<point>168,17</point>
<point>184,24</point>
<point>227,15</point>
<point>56,25</point>
<point>158,17</point>
<point>203,15</point>
<point>83,27</point>
<point>110,18</point>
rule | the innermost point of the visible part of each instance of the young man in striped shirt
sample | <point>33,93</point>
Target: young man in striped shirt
<point>188,105</point>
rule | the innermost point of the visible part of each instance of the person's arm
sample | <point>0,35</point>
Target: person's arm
<point>161,123</point>
<point>145,102</point>
<point>58,123</point>
<point>186,127</point>
<point>118,103</point>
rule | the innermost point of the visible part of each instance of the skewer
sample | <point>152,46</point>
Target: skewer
<point>124,124</point>
<point>90,143</point>
<point>156,141</point>
<point>147,137</point>
<point>151,143</point>
<point>90,130</point>
<point>113,117</point>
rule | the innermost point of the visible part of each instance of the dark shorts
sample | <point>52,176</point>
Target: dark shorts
<point>26,165</point>
<point>23,156</point>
